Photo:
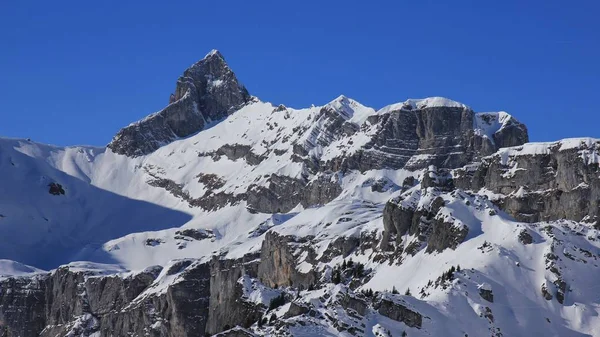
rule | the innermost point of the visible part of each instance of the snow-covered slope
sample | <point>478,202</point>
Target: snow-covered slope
<point>406,192</point>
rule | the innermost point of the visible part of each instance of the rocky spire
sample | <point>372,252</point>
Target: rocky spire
<point>207,91</point>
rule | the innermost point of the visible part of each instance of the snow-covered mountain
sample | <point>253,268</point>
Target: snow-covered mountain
<point>221,211</point>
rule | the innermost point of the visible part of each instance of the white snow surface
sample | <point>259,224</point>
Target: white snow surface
<point>429,102</point>
<point>13,268</point>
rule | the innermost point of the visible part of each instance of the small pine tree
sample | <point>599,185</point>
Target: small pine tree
<point>394,290</point>
<point>336,277</point>
<point>344,265</point>
<point>404,334</point>
<point>260,322</point>
<point>350,263</point>
<point>451,273</point>
<point>458,268</point>
<point>359,269</point>
<point>407,293</point>
<point>273,318</point>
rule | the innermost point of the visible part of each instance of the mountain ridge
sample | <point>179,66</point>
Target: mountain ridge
<point>206,234</point>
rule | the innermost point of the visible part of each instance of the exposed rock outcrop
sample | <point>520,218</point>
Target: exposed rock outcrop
<point>541,181</point>
<point>278,264</point>
<point>76,300</point>
<point>395,310</point>
<point>281,195</point>
<point>321,190</point>
<point>445,235</point>
<point>226,308</point>
<point>56,189</point>
<point>22,306</point>
<point>351,302</point>
<point>416,135</point>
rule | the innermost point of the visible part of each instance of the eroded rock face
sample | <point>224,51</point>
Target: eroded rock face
<point>486,294</point>
<point>321,190</point>
<point>22,306</point>
<point>541,181</point>
<point>227,309</point>
<point>207,91</point>
<point>445,235</point>
<point>354,303</point>
<point>73,301</point>
<point>281,195</point>
<point>278,264</point>
<point>415,137</point>
<point>400,313</point>
<point>402,217</point>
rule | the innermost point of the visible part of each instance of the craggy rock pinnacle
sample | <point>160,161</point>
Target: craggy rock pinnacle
<point>207,91</point>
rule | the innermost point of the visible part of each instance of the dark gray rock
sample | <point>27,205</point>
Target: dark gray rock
<point>56,189</point>
<point>382,185</point>
<point>351,302</point>
<point>400,313</point>
<point>50,304</point>
<point>513,133</point>
<point>237,151</point>
<point>550,185</point>
<point>22,306</point>
<point>207,91</point>
<point>445,235</point>
<point>397,219</point>
<point>440,178</point>
<point>190,233</point>
<point>525,238</point>
<point>226,308</point>
<point>561,289</point>
<point>341,246</point>
<point>209,201</point>
<point>418,137</point>
<point>210,180</point>
<point>547,295</point>
<point>296,309</point>
<point>486,294</point>
<point>278,265</point>
<point>321,190</point>
<point>280,196</point>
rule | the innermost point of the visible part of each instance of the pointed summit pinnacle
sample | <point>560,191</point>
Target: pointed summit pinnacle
<point>207,91</point>
<point>213,52</point>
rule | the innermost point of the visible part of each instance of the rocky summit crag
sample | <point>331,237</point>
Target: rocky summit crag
<point>423,218</point>
<point>207,91</point>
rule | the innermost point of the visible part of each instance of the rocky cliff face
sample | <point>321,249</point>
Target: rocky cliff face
<point>185,298</point>
<point>541,182</point>
<point>80,301</point>
<point>207,91</point>
<point>432,132</point>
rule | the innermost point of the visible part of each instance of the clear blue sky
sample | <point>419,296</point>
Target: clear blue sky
<point>75,72</point>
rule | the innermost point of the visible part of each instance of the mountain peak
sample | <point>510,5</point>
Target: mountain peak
<point>213,52</point>
<point>207,91</point>
<point>350,109</point>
